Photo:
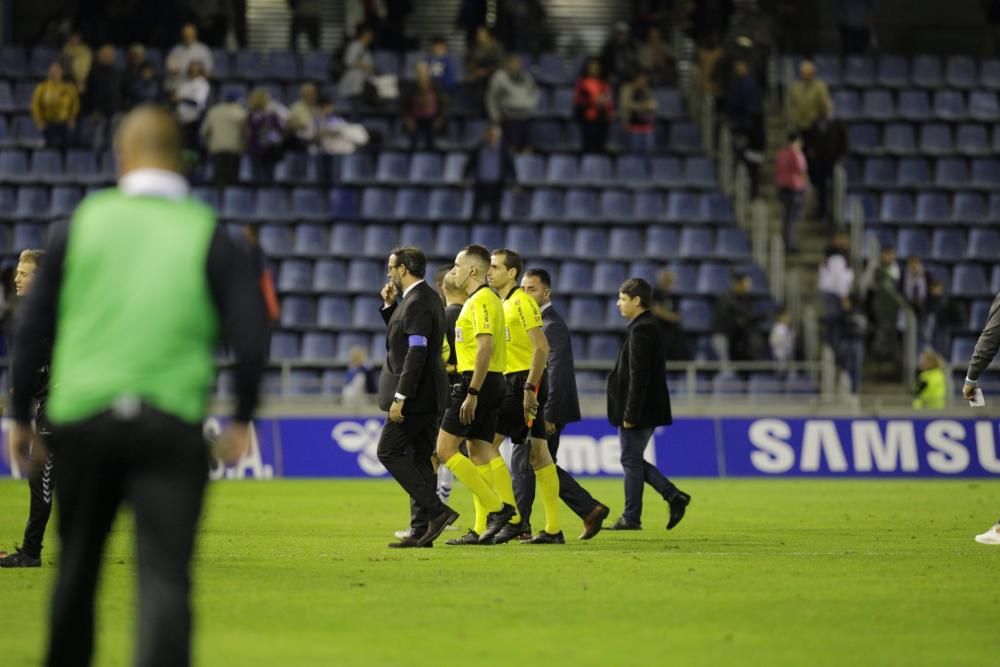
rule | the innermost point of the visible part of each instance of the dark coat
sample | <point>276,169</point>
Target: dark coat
<point>563,403</point>
<point>507,172</point>
<point>637,387</point>
<point>415,371</point>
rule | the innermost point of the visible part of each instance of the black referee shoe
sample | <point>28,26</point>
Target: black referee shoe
<point>437,525</point>
<point>678,504</point>
<point>410,543</point>
<point>495,521</point>
<point>510,532</point>
<point>471,537</point>
<point>20,559</point>
<point>547,538</point>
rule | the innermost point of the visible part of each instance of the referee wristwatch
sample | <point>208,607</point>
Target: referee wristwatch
<point>529,387</point>
<point>473,391</point>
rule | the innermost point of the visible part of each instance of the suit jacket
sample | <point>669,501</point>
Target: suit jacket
<point>508,173</point>
<point>563,403</point>
<point>416,371</point>
<point>637,387</point>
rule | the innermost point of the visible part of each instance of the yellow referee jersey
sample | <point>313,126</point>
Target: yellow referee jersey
<point>521,314</point>
<point>481,314</point>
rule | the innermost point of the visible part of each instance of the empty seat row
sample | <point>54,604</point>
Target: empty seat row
<point>945,245</point>
<point>896,71</point>
<point>936,139</point>
<point>953,173</point>
<point>964,208</point>
<point>917,105</point>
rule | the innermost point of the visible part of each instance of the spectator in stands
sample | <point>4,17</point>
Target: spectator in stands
<point>734,324</point>
<point>443,68</point>
<point>709,57</point>
<point>522,26</point>
<point>423,110</point>
<point>489,167</point>
<point>55,105</point>
<point>146,88</point>
<point>836,284</point>
<point>855,19</point>
<point>511,100</point>
<point>782,342</point>
<point>337,135</point>
<point>825,144</point>
<point>932,384</point>
<point>471,16</point>
<point>744,105</point>
<point>265,136</point>
<point>306,20</point>
<point>593,107</point>
<point>807,97</point>
<point>191,101</point>
<point>657,59</point>
<point>189,50</point>
<point>223,134</point>
<point>306,119</point>
<point>708,18</point>
<point>135,59</point>
<point>791,176</point>
<point>885,304</point>
<point>637,108</point>
<point>77,59</point>
<point>915,286</point>
<point>665,308</point>
<point>944,316</point>
<point>359,64</point>
<point>103,100</point>
<point>619,59</point>
<point>359,383</point>
<point>484,58</point>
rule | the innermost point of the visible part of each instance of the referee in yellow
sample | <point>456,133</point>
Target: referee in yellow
<point>475,399</point>
<point>134,294</point>
<point>524,370</point>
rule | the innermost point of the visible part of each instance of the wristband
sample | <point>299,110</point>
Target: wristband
<point>529,387</point>
<point>473,391</point>
<point>968,381</point>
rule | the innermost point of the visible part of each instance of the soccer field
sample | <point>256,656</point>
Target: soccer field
<point>764,572</point>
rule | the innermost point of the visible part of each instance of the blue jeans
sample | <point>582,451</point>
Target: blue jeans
<point>638,471</point>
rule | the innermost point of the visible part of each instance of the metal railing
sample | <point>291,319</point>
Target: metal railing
<point>776,268</point>
<point>839,202</point>
<point>727,175</point>
<point>741,196</point>
<point>910,337</point>
<point>759,229</point>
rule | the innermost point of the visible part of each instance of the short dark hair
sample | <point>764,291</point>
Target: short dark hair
<point>793,136</point>
<point>542,275</point>
<point>511,260</point>
<point>480,252</point>
<point>440,272</point>
<point>412,258</point>
<point>637,287</point>
<point>738,276</point>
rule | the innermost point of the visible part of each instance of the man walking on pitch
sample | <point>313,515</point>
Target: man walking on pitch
<point>413,388</point>
<point>638,402</point>
<point>133,294</point>
<point>524,369</point>
<point>982,357</point>
<point>41,470</point>
<point>561,406</point>
<point>472,413</point>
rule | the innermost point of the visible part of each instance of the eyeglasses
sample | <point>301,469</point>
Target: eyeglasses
<point>393,266</point>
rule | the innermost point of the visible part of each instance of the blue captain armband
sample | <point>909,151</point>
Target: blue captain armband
<point>418,341</point>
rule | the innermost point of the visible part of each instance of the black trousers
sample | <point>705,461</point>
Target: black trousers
<point>405,450</point>
<point>41,484</point>
<point>225,169</point>
<point>575,496</point>
<point>310,25</point>
<point>159,465</point>
<point>489,195</point>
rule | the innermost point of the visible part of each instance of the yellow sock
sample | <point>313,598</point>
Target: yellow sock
<point>467,474</point>
<point>548,484</point>
<point>480,526</point>
<point>504,485</point>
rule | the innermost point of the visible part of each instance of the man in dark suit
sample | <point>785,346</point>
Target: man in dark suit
<point>489,168</point>
<point>413,389</point>
<point>638,402</point>
<point>561,407</point>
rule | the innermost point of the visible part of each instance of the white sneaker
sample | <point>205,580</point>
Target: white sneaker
<point>402,534</point>
<point>991,536</point>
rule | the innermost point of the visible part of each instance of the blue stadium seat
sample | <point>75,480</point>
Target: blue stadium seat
<point>309,204</point>
<point>897,208</point>
<point>763,384</point>
<point>318,345</point>
<point>561,104</point>
<point>864,138</point>
<point>282,65</point>
<point>445,204</point>
<point>357,168</point>
<point>46,167</point>
<point>392,167</point>
<point>234,88</point>
<point>986,173</point>
<point>516,206</point>
<point>951,173</point>
<point>556,242</point>
<point>334,312</point>
<point>342,204</point>
<point>530,168</point>
<point>893,71</point>
<point>520,236</point>
<point>13,61</point>
<point>562,170</point>
<point>961,349</point>
<point>412,204</point>
<point>386,62</point>
<point>426,168</point>
<point>713,278</point>
<point>585,312</point>
<point>608,277</point>
<point>913,172</point>
<point>984,244</point>
<point>547,135</point>
<point>272,205</point>
<point>298,312</point>
<point>828,67</point>
<point>284,346</point>
<point>590,243</point>
<point>935,139</point>
<point>899,139</point>
<point>683,207</point>
<point>420,236</point>
<point>299,169</point>
<point>847,103</point>
<point>377,203</point>
<point>365,315</point>
<point>333,381</point>
<point>487,235</point>
<point>978,314</point>
<point>696,315</point>
<point>596,170</point>
<point>450,239</point>
<point>275,240</point>
<point>64,201</point>
<point>687,277</point>
<point>700,172</point>
<point>666,172</point>
<point>800,385</point>
<point>983,106</point>
<point>311,240</point>
<point>39,60</point>
<point>960,72</point>
<point>28,235</point>
<point>879,173</point>
<point>685,137</point>
<point>696,242</point>
<point>209,196</point>
<point>348,341</point>
<point>602,347</point>
<point>969,207</point>
<point>315,65</point>
<point>949,105</point>
<point>728,384</point>
<point>454,168</point>
<point>989,73</point>
<point>303,382</point>
<point>379,240</point>
<point>576,276</point>
<point>859,71</point>
<point>649,205</point>
<point>972,140</point>
<point>582,206</point>
<point>933,208</point>
<point>249,65</point>
<point>662,242</point>
<point>625,242</point>
<point>732,243</point>
<point>553,70</point>
<point>969,281</point>
<point>13,166</point>
<point>616,206</point>
<point>995,280</point>
<point>346,239</point>
<point>927,72</point>
<point>365,275</point>
<point>947,245</point>
<point>295,275</point>
<point>914,105</point>
<point>877,105</point>
<point>670,104</point>
<point>32,203</point>
<point>632,170</point>
<point>546,205</point>
<point>25,133</point>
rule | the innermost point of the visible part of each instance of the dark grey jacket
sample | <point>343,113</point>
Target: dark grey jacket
<point>986,346</point>
<point>563,403</point>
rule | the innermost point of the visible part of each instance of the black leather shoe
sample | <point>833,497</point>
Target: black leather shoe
<point>511,531</point>
<point>595,521</point>
<point>678,505</point>
<point>471,537</point>
<point>410,543</point>
<point>437,525</point>
<point>20,559</point>
<point>496,521</point>
<point>547,538</point>
<point>623,524</point>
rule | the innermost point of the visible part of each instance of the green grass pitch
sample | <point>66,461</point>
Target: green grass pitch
<point>761,572</point>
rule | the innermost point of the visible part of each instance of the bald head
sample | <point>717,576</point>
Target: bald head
<point>148,137</point>
<point>452,292</point>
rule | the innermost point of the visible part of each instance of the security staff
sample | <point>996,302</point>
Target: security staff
<point>133,294</point>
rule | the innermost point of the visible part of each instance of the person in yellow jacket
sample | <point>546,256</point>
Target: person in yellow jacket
<point>932,384</point>
<point>55,105</point>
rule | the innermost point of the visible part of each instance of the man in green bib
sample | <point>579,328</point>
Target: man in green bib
<point>134,294</point>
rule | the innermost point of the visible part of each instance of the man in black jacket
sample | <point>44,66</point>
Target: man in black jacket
<point>413,388</point>
<point>489,167</point>
<point>638,402</point>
